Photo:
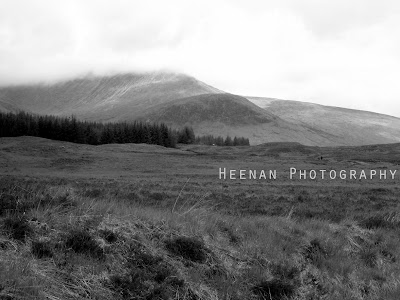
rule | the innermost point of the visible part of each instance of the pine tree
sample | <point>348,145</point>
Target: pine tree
<point>228,141</point>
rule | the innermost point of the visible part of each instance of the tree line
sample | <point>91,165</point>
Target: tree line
<point>72,130</point>
<point>220,141</point>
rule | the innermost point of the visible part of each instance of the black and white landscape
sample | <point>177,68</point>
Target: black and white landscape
<point>199,150</point>
<point>180,100</point>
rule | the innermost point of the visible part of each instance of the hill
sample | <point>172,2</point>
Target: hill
<point>107,98</point>
<point>224,108</point>
<point>348,126</point>
<point>227,114</point>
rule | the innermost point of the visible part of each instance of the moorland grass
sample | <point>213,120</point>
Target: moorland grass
<point>108,248</point>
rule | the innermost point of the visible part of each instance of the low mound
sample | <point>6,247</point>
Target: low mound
<point>282,148</point>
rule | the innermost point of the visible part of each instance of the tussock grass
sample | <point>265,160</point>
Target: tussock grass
<point>81,241</point>
<point>389,220</point>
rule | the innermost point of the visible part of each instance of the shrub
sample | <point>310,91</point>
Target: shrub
<point>273,289</point>
<point>109,236</point>
<point>133,196</point>
<point>80,241</point>
<point>11,204</point>
<point>157,196</point>
<point>285,270</point>
<point>64,201</point>
<point>233,237</point>
<point>188,248</point>
<point>314,252</point>
<point>381,220</point>
<point>17,227</point>
<point>7,204</point>
<point>369,256</point>
<point>41,249</point>
<point>93,193</point>
<point>146,277</point>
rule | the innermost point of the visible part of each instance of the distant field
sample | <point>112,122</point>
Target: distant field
<point>281,239</point>
<point>154,175</point>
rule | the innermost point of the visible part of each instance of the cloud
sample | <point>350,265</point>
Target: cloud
<point>327,18</point>
<point>342,53</point>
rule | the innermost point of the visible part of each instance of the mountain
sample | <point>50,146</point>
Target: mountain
<point>106,98</point>
<point>179,100</point>
<point>227,114</point>
<point>348,126</point>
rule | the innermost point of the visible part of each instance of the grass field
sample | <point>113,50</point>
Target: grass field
<point>146,222</point>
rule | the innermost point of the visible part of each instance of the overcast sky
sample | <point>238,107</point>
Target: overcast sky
<point>334,52</point>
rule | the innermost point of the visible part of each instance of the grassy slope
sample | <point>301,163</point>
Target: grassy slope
<point>108,98</point>
<point>225,108</point>
<point>348,126</point>
<point>124,222</point>
<point>227,114</point>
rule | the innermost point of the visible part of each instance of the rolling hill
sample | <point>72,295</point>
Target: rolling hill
<point>179,100</point>
<point>349,126</point>
<point>227,114</point>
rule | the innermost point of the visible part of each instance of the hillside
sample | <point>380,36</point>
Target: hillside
<point>349,126</point>
<point>227,114</point>
<point>107,98</point>
<point>224,108</point>
<point>8,107</point>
